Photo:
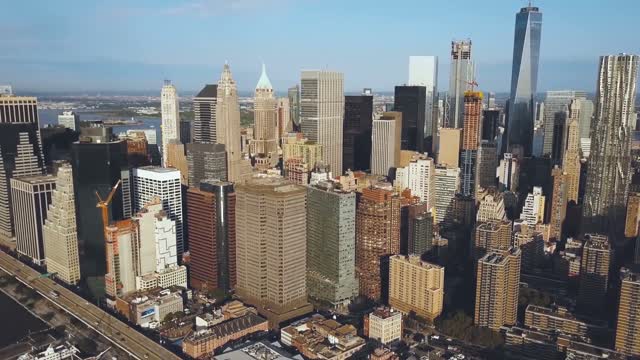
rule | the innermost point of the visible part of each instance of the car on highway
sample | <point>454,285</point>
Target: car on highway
<point>54,294</point>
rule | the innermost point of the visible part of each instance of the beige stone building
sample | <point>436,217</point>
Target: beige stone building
<point>264,145</point>
<point>384,325</point>
<point>416,285</point>
<point>627,340</point>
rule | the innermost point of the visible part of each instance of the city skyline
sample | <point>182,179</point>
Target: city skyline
<point>131,56</point>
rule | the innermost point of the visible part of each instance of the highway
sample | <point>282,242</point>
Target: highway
<point>120,334</point>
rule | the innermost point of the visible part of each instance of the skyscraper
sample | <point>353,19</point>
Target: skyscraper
<point>60,231</point>
<point>449,149</point>
<point>30,199</point>
<point>120,278</point>
<point>322,113</point>
<point>294,102</point>
<point>559,199</point>
<point>470,142</point>
<point>206,161</point>
<point>152,182</point>
<point>284,118</point>
<point>571,157</point>
<point>410,101</point>
<point>270,247</point>
<point>609,172</point>
<point>524,80</point>
<point>358,123</point>
<point>264,146</point>
<point>423,71</point>
<point>556,110</point>
<point>70,120</point>
<point>377,236</point>
<point>594,272</point>
<point>462,75</point>
<point>497,285</point>
<point>211,223</point>
<point>494,235</point>
<point>487,164</point>
<point>331,244</point>
<point>420,176</point>
<point>204,115</point>
<point>228,126</point>
<point>627,340</point>
<point>423,294</point>
<point>170,111</point>
<point>490,122</point>
<point>386,139</point>
<point>446,184</point>
<point>533,210</point>
<point>420,229</point>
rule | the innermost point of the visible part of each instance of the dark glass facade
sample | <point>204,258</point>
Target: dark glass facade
<point>411,102</point>
<point>358,122</point>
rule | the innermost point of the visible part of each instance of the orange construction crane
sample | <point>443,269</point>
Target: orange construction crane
<point>104,205</point>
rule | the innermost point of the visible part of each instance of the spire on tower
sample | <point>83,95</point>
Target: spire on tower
<point>264,82</point>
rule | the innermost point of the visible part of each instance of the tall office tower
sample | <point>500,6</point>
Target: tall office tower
<point>377,236</point>
<point>410,101</point>
<point>490,123</point>
<point>571,157</point>
<point>627,340</point>
<point>150,182</point>
<point>461,76</point>
<point>586,114</point>
<point>508,173</point>
<point>524,79</point>
<point>70,120</point>
<point>271,245</point>
<point>446,184</point>
<point>533,210</point>
<point>449,149</point>
<point>157,242</point>
<point>206,161</point>
<point>322,113</point>
<point>491,207</point>
<point>204,115</point>
<point>487,164</point>
<point>356,143</point>
<point>633,215</point>
<point>60,232</point>
<point>498,277</point>
<point>594,271</point>
<point>331,244</point>
<point>170,111</point>
<point>177,158</point>
<point>493,235</point>
<point>284,118</point>
<point>30,199</point>
<point>293,94</point>
<point>423,71</point>
<point>470,142</point>
<point>122,244</point>
<point>559,199</point>
<point>556,109</point>
<point>228,126</point>
<point>419,229</point>
<point>185,131</point>
<point>97,167</point>
<point>211,223</point>
<point>18,117</point>
<point>609,172</point>
<point>423,294</point>
<point>385,142</point>
<point>264,145</point>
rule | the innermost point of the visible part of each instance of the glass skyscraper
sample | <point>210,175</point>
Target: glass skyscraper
<point>524,79</point>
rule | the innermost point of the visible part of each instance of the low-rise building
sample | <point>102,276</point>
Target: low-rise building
<point>384,325</point>
<point>142,308</point>
<point>528,344</point>
<point>58,352</point>
<point>382,353</point>
<point>166,278</point>
<point>321,338</point>
<point>559,319</point>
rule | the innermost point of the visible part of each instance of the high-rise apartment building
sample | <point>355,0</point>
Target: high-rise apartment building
<point>609,172</point>
<point>533,210</point>
<point>420,176</point>
<point>70,120</point>
<point>122,241</point>
<point>30,199</point>
<point>497,285</point>
<point>228,126</point>
<point>377,236</point>
<point>627,340</point>
<point>524,80</point>
<point>211,224</point>
<point>493,235</point>
<point>170,112</point>
<point>470,142</point>
<point>446,184</point>
<point>633,215</point>
<point>559,200</point>
<point>423,71</point>
<point>206,161</point>
<point>571,157</point>
<point>594,271</point>
<point>449,147</point>
<point>386,142</point>
<point>487,164</point>
<point>60,232</point>
<point>322,113</point>
<point>416,285</point>
<point>152,182</point>
<point>461,78</point>
<point>410,101</point>
<point>358,123</point>
<point>271,245</point>
<point>331,244</point>
<point>264,145</point>
<point>419,229</point>
<point>204,115</point>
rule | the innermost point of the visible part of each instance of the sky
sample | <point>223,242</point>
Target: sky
<point>126,45</point>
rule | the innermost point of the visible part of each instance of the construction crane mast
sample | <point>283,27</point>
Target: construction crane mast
<point>104,206</point>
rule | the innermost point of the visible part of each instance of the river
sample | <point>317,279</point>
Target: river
<point>16,321</point>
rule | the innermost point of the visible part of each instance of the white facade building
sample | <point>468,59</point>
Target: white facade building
<point>533,210</point>
<point>508,173</point>
<point>170,111</point>
<point>384,145</point>
<point>423,71</point>
<point>70,120</point>
<point>421,178</point>
<point>446,185</point>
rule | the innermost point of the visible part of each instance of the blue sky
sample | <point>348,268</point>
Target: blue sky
<point>76,45</point>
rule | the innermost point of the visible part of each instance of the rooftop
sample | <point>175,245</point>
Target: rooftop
<point>37,179</point>
<point>208,91</point>
<point>385,312</point>
<point>226,328</point>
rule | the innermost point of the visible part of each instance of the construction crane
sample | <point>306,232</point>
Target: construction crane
<point>104,205</point>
